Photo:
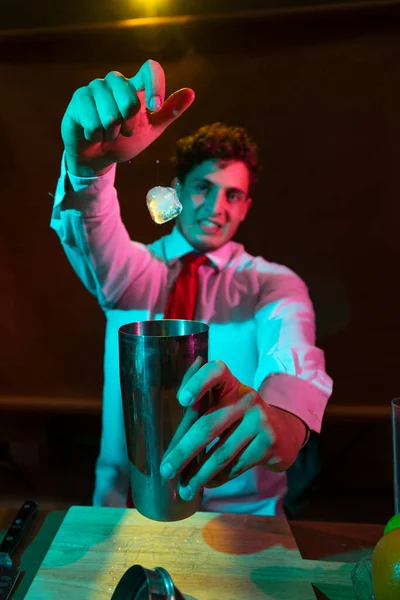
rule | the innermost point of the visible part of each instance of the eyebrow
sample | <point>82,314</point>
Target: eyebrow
<point>237,191</point>
<point>209,182</point>
<point>203,180</point>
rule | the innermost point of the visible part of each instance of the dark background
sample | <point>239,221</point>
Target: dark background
<point>320,92</point>
<point>26,16</point>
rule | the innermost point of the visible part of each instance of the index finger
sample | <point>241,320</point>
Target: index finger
<point>194,367</point>
<point>213,375</point>
<point>151,79</point>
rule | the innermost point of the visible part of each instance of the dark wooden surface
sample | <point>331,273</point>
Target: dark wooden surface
<point>346,542</point>
<point>92,405</point>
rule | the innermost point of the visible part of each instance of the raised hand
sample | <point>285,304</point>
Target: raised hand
<point>112,120</point>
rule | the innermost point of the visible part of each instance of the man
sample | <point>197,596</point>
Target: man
<point>267,376</point>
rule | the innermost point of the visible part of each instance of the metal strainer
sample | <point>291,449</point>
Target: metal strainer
<point>138,583</point>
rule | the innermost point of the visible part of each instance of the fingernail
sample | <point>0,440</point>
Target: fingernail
<point>274,460</point>
<point>167,470</point>
<point>185,398</point>
<point>155,103</point>
<point>234,473</point>
<point>186,492</point>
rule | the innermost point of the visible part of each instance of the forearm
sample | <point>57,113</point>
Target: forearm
<point>286,412</point>
<point>87,219</point>
<point>290,434</point>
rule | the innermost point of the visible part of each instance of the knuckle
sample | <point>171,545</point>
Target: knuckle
<point>267,436</point>
<point>220,365</point>
<point>261,417</point>
<point>222,456</point>
<point>152,64</point>
<point>255,417</point>
<point>128,108</point>
<point>177,457</point>
<point>113,75</point>
<point>95,83</point>
<point>93,131</point>
<point>206,428</point>
<point>79,92</point>
<point>218,368</point>
<point>111,121</point>
<point>252,400</point>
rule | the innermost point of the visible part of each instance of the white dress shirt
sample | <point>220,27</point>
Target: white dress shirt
<point>260,317</point>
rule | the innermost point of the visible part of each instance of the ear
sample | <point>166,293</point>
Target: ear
<point>246,207</point>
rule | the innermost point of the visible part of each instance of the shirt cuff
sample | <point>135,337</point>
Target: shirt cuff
<point>296,396</point>
<point>89,193</point>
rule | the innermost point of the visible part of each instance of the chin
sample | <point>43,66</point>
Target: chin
<point>203,242</point>
<point>207,245</point>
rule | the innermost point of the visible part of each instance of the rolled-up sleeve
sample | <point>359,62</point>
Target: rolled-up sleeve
<point>291,369</point>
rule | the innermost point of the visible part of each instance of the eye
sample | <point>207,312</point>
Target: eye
<point>201,187</point>
<point>234,196</point>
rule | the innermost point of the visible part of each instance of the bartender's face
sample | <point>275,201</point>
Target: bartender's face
<point>215,200</point>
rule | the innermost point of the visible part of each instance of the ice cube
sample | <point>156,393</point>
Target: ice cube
<point>163,203</point>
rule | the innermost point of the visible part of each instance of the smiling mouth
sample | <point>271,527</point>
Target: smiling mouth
<point>210,226</point>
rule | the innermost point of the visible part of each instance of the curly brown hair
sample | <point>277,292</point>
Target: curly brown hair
<point>215,141</point>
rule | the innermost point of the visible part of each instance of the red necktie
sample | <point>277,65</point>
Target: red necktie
<point>182,300</point>
<point>183,295</point>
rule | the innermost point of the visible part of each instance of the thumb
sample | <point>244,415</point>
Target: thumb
<point>173,108</point>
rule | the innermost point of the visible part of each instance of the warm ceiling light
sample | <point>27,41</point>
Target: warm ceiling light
<point>151,5</point>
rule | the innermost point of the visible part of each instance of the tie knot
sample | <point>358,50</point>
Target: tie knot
<point>193,260</point>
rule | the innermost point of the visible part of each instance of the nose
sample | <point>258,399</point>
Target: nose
<point>216,202</point>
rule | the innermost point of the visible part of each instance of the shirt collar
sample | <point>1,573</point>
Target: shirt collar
<point>176,246</point>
